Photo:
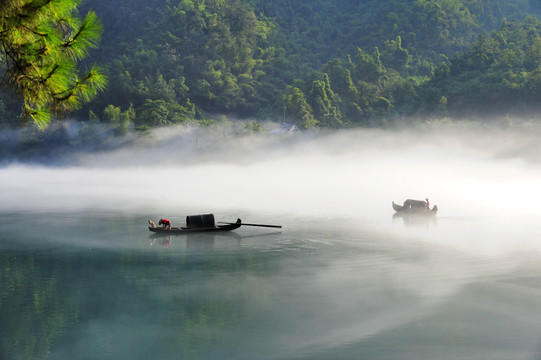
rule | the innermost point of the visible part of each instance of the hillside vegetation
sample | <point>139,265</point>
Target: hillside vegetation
<point>316,63</point>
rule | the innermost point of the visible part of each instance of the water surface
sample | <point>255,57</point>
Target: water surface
<point>81,277</point>
<point>98,285</point>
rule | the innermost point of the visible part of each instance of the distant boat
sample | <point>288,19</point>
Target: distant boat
<point>202,223</point>
<point>415,207</point>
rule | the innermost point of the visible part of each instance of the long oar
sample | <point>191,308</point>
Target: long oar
<point>245,224</point>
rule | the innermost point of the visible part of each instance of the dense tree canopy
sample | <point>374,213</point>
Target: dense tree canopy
<point>499,72</point>
<point>41,43</point>
<point>317,63</point>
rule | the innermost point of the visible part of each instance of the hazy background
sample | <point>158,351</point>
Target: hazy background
<point>342,276</point>
<point>465,169</point>
<point>470,170</point>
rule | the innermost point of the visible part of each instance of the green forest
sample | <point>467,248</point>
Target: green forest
<point>313,63</point>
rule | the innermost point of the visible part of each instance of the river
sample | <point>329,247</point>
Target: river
<point>81,277</point>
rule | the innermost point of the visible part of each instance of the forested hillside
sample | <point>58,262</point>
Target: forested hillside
<point>316,63</point>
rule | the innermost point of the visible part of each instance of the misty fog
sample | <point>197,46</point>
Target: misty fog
<point>470,170</point>
<point>467,170</point>
<point>329,188</point>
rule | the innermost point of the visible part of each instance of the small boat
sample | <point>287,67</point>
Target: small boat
<point>415,207</point>
<point>200,224</point>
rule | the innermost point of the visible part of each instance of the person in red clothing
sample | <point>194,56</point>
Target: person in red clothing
<point>165,223</point>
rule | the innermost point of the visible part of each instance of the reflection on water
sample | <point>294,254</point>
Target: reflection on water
<point>162,240</point>
<point>205,241</point>
<point>91,283</point>
<point>418,220</point>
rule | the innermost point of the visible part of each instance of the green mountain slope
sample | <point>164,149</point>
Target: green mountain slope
<point>327,63</point>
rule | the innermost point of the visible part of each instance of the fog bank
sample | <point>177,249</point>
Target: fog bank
<point>466,170</point>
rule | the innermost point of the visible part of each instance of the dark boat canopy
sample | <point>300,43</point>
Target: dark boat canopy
<point>200,221</point>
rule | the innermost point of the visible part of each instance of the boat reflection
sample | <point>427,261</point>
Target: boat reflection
<point>204,241</point>
<point>416,219</point>
<point>162,240</point>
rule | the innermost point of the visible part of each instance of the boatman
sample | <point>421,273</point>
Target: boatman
<point>165,223</point>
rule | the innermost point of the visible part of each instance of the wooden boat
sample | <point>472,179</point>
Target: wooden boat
<point>417,207</point>
<point>201,224</point>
